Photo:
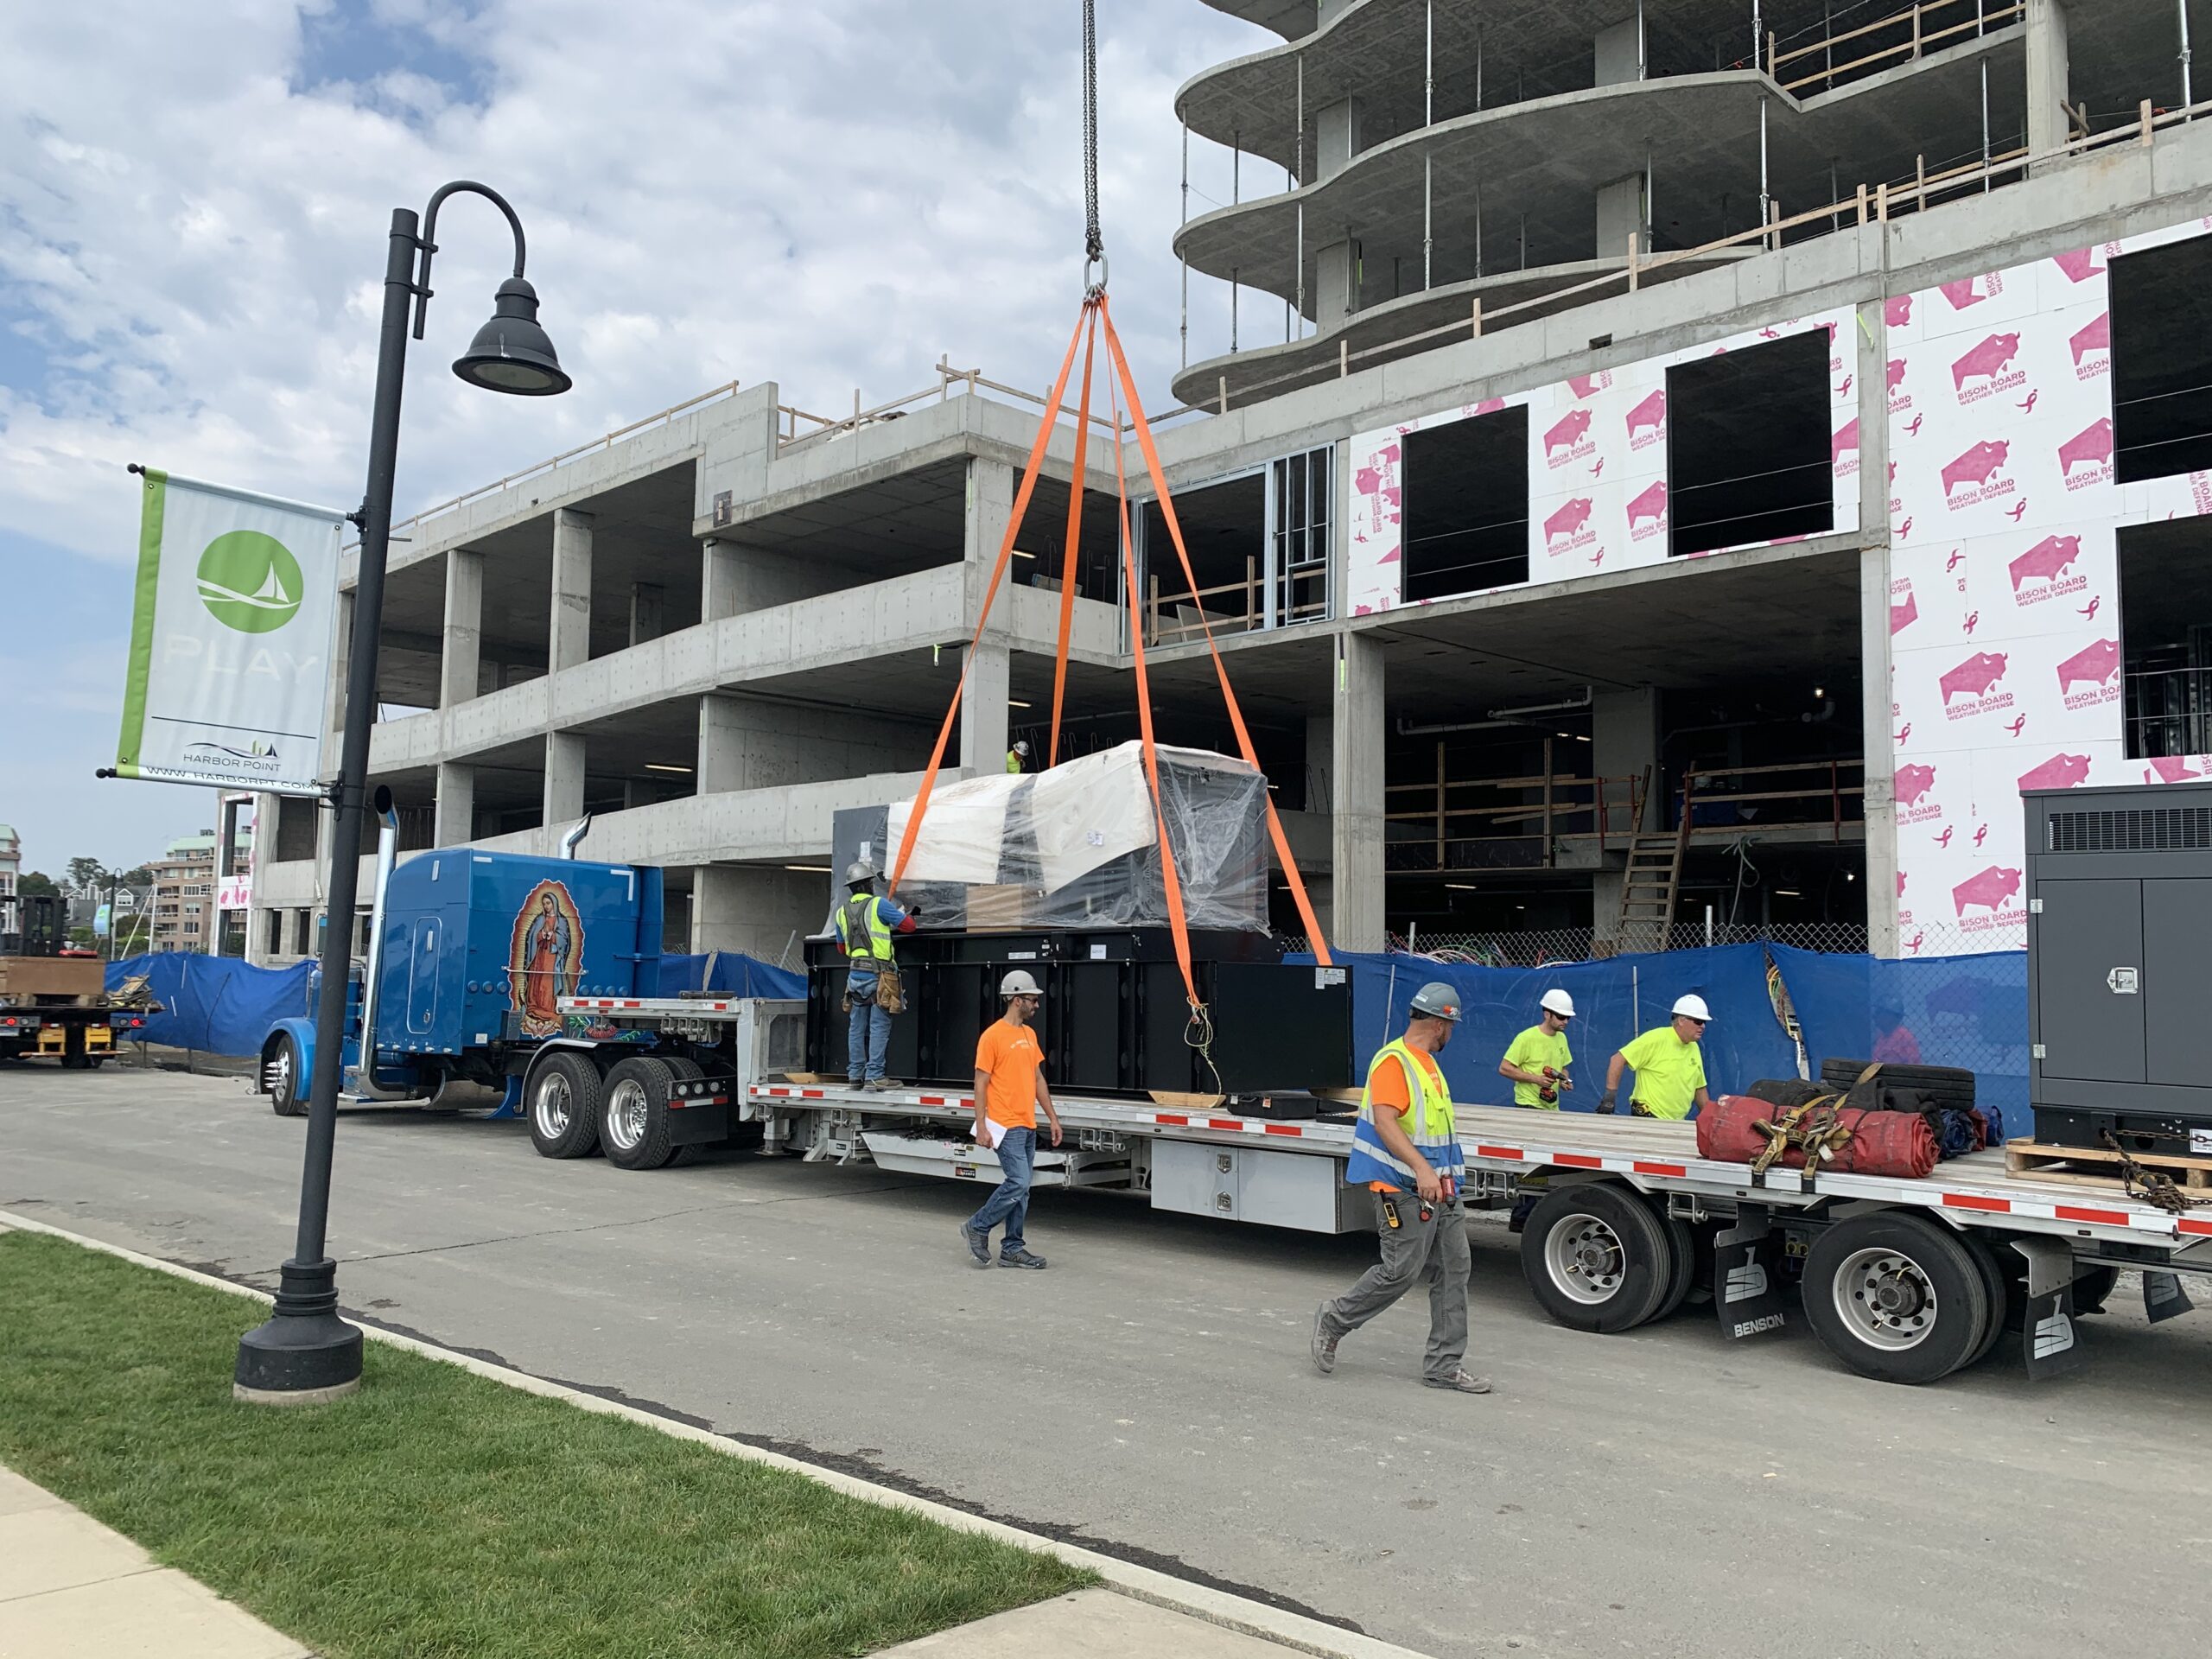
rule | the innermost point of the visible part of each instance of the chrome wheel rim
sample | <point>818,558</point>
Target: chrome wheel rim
<point>555,1105</point>
<point>625,1114</point>
<point>1886,1298</point>
<point>280,1074</point>
<point>1584,1259</point>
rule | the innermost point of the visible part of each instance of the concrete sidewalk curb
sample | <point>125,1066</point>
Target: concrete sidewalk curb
<point>1220,1607</point>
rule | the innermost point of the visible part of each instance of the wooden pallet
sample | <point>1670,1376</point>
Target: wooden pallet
<point>2035,1160</point>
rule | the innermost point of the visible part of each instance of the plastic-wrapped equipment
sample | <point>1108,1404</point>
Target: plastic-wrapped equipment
<point>1076,846</point>
<point>1882,1143</point>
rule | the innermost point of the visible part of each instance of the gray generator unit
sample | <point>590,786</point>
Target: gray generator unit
<point>2119,966</point>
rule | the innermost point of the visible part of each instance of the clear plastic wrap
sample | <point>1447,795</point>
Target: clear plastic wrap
<point>1076,846</point>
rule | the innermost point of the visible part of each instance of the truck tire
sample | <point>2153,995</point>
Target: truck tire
<point>687,1070</point>
<point>1681,1256</point>
<point>1943,1085</point>
<point>1596,1257</point>
<point>280,1074</point>
<point>563,1095</point>
<point>1896,1297</point>
<point>1985,1257</point>
<point>633,1113</point>
<point>2092,1285</point>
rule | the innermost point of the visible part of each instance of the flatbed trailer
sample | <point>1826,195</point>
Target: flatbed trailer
<point>81,1034</point>
<point>1905,1279</point>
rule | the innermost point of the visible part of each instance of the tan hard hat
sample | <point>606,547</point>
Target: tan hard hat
<point>1020,982</point>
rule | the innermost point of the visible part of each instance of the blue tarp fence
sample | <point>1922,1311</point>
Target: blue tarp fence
<point>220,1005</point>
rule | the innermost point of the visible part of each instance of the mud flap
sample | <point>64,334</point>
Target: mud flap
<point>2163,1297</point>
<point>1747,1286</point>
<point>2050,1340</point>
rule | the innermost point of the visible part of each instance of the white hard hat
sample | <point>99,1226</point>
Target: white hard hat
<point>1693,1007</point>
<point>1560,1003</point>
<point>1021,746</point>
<point>1019,984</point>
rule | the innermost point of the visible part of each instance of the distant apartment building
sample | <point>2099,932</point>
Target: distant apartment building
<point>11,869</point>
<point>183,900</point>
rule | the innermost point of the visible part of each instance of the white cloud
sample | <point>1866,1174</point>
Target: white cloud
<point>824,195</point>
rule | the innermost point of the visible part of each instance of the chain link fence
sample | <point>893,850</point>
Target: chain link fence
<point>1538,947</point>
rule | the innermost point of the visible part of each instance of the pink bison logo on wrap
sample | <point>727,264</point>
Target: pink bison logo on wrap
<point>1913,782</point>
<point>1651,505</point>
<point>1488,406</point>
<point>1961,293</point>
<point>2046,559</point>
<point>1897,372</point>
<point>1898,312</point>
<point>1903,616</point>
<point>1367,480</point>
<point>1651,412</point>
<point>1992,889</point>
<point>2170,769</point>
<point>1900,884</point>
<point>2093,445</point>
<point>1566,433</point>
<point>1974,676</point>
<point>2059,771</point>
<point>2096,337</point>
<point>1587,385</point>
<point>1989,360</point>
<point>1978,466</point>
<point>1568,519</point>
<point>2096,664</point>
<point>1845,439</point>
<point>2079,265</point>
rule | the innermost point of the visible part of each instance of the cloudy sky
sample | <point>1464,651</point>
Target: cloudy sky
<point>827,193</point>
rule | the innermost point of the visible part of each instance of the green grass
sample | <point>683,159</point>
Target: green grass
<point>437,1513</point>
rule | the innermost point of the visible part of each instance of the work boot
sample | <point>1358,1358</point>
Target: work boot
<point>979,1245</point>
<point>1324,1345</point>
<point>1459,1382</point>
<point>1021,1258</point>
<point>877,1086</point>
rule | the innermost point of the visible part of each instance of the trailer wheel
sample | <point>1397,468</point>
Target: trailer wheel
<point>1896,1297</point>
<point>687,1070</point>
<point>279,1076</point>
<point>633,1113</point>
<point>564,1094</point>
<point>1597,1258</point>
<point>1681,1256</point>
<point>1993,1286</point>
<point>2092,1286</point>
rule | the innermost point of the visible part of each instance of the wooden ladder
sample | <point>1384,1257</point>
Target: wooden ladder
<point>1653,879</point>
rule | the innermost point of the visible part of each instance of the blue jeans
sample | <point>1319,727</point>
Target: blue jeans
<point>1017,1151</point>
<point>868,1036</point>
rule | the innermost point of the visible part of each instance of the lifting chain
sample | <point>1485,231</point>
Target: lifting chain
<point>2159,1191</point>
<point>1093,240</point>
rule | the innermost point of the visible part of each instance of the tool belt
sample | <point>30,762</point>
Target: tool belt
<point>890,989</point>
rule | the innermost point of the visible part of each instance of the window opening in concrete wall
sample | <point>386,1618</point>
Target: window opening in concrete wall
<point>1747,446</point>
<point>2165,621</point>
<point>1298,525</point>
<point>1466,506</point>
<point>1224,531</point>
<point>293,835</point>
<point>2161,333</point>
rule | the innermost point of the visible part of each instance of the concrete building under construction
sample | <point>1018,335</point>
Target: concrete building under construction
<point>1694,459</point>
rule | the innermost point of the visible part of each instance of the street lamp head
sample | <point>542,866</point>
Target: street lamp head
<point>510,352</point>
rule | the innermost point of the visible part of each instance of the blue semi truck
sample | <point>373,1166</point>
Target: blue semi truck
<point>477,967</point>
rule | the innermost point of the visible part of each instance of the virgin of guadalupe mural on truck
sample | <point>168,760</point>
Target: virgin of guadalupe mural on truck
<point>544,958</point>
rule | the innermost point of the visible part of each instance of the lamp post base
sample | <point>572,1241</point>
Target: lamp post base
<point>305,1354</point>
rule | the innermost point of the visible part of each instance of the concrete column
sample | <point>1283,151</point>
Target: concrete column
<point>564,776</point>
<point>762,912</point>
<point>571,640</point>
<point>1618,52</point>
<point>1881,877</point>
<point>722,745</point>
<point>2047,76</point>
<point>735,579</point>
<point>720,568</point>
<point>991,503</point>
<point>1358,731</point>
<point>1336,266</point>
<point>341,667</point>
<point>1320,800</point>
<point>1620,215</point>
<point>647,612</point>
<point>983,709</point>
<point>454,824</point>
<point>461,661</point>
<point>1623,743</point>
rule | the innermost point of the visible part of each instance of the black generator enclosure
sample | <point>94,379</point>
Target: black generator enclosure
<point>1115,1020</point>
<point>2119,966</point>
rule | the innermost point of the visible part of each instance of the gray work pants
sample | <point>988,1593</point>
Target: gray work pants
<point>1432,1251</point>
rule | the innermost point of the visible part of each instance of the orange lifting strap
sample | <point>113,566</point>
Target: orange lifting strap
<point>1094,317</point>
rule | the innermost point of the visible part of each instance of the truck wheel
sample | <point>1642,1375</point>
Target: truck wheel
<point>279,1076</point>
<point>2091,1286</point>
<point>687,1070</point>
<point>1897,1298</point>
<point>633,1113</point>
<point>1681,1256</point>
<point>1992,1268</point>
<point>564,1094</point>
<point>1597,1258</point>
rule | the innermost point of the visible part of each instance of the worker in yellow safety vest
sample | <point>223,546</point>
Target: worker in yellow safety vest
<point>865,924</point>
<point>1405,1148</point>
<point>1017,757</point>
<point>1669,1066</point>
<point>1537,1059</point>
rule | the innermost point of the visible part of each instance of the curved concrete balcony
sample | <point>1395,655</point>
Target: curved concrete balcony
<point>1289,18</point>
<point>1402,327</point>
<point>1536,168</point>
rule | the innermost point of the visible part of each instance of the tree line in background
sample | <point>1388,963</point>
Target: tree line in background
<point>88,878</point>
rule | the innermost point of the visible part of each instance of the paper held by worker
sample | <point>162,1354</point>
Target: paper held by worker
<point>987,1134</point>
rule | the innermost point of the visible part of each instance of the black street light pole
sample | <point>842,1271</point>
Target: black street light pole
<point>306,1352</point>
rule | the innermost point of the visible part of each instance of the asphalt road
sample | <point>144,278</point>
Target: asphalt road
<point>1660,1493</point>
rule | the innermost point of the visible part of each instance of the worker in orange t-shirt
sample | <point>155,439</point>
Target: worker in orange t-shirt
<point>1009,1088</point>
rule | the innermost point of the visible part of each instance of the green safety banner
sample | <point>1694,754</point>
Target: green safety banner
<point>230,639</point>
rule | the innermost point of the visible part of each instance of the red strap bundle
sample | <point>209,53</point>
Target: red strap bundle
<point>1882,1143</point>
